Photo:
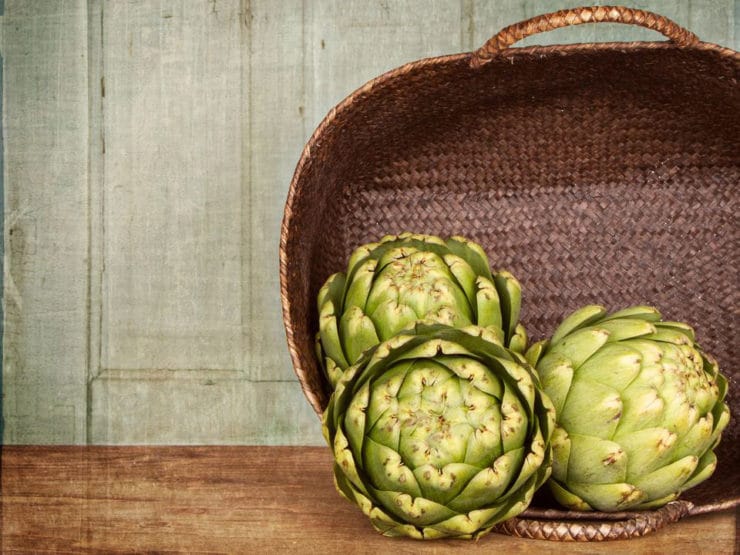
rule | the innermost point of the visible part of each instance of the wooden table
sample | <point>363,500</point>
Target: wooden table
<point>238,500</point>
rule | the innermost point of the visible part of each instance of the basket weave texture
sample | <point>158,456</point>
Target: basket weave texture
<point>600,173</point>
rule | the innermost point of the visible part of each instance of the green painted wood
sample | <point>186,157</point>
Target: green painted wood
<point>45,125</point>
<point>148,151</point>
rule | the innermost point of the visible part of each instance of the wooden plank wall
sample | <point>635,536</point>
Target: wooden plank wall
<point>148,150</point>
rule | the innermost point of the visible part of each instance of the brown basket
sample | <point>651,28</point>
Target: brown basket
<point>594,172</point>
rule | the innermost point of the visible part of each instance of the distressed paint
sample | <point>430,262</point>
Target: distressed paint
<point>45,125</point>
<point>148,151</point>
<point>274,132</point>
<point>172,295</point>
<point>2,236</point>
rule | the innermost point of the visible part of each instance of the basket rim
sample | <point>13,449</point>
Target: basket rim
<point>366,88</point>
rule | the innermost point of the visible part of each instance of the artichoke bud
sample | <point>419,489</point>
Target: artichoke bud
<point>401,280</point>
<point>439,432</point>
<point>638,404</point>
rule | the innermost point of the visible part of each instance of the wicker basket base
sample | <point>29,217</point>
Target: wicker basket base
<point>557,525</point>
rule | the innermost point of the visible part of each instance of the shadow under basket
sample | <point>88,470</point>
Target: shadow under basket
<point>600,173</point>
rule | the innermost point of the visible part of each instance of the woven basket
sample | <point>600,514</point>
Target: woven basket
<point>594,172</point>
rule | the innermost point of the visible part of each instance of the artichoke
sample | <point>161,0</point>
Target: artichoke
<point>402,279</point>
<point>439,432</point>
<point>639,408</point>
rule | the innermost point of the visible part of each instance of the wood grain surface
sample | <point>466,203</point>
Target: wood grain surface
<point>238,500</point>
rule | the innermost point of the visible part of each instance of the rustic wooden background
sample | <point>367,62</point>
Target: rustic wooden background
<point>148,147</point>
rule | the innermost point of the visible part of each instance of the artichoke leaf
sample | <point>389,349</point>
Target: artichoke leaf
<point>515,424</point>
<point>475,372</point>
<point>437,347</point>
<point>623,329</point>
<point>561,445</point>
<point>387,470</point>
<point>472,252</point>
<point>535,352</point>
<point>640,312</point>
<point>682,327</point>
<point>533,462</point>
<point>441,484</point>
<point>556,376</point>
<point>346,464</point>
<point>615,365</point>
<point>642,407</point>
<point>592,409</point>
<point>516,377</point>
<point>383,401</point>
<point>578,319</point>
<point>345,487</point>
<point>481,521</point>
<point>608,497</point>
<point>359,285</point>
<point>721,415</point>
<point>390,527</point>
<point>594,460</point>
<point>425,376</point>
<point>472,524</point>
<point>464,276</point>
<point>679,414</point>
<point>567,498</point>
<point>647,450</point>
<point>417,511</point>
<point>331,345</point>
<point>510,295</point>
<point>398,254</point>
<point>387,353</point>
<point>332,290</point>
<point>546,415</point>
<point>491,334</point>
<point>656,503</point>
<point>489,485</point>
<point>704,469</point>
<point>667,479</point>
<point>510,507</point>
<point>390,317</point>
<point>651,352</point>
<point>518,341</point>
<point>488,304</point>
<point>669,335</point>
<point>484,444</point>
<point>354,419</point>
<point>580,345</point>
<point>698,439</point>
<point>333,371</point>
<point>359,256</point>
<point>358,333</point>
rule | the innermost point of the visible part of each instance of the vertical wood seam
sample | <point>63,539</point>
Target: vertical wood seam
<point>246,192</point>
<point>95,216</point>
<point>467,25</point>
<point>304,89</point>
<point>3,248</point>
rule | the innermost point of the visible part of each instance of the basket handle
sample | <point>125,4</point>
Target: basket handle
<point>578,16</point>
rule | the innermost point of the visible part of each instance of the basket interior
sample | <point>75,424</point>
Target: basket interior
<point>604,175</point>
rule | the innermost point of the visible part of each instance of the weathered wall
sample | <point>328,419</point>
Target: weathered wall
<point>148,151</point>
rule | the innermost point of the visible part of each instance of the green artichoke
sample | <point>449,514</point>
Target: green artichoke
<point>439,432</point>
<point>639,408</point>
<point>402,279</point>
